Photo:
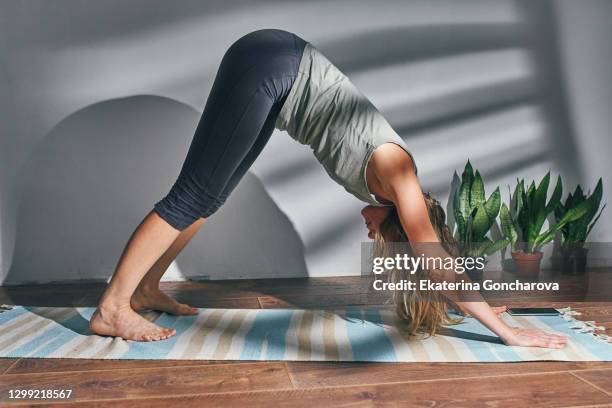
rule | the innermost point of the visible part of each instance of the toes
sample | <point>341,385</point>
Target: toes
<point>165,334</point>
<point>184,309</point>
<point>155,336</point>
<point>155,333</point>
<point>169,305</point>
<point>188,309</point>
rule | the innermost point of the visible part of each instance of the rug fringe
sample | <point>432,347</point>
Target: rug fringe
<point>588,327</point>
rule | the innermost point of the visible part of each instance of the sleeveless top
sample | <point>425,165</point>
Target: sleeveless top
<point>325,111</point>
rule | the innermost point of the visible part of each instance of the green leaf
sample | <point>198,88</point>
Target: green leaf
<point>467,242</point>
<point>519,216</point>
<point>468,172</point>
<point>594,221</point>
<point>480,224</point>
<point>577,199</point>
<point>495,246</point>
<point>537,212</point>
<point>507,225</point>
<point>463,200</point>
<point>562,208</point>
<point>516,201</point>
<point>463,207</point>
<point>595,199</point>
<point>478,248</point>
<point>555,199</point>
<point>577,231</point>
<point>542,239</point>
<point>539,198</point>
<point>493,203</point>
<point>569,202</point>
<point>477,191</point>
<point>574,213</point>
<point>459,219</point>
<point>529,213</point>
<point>531,194</point>
<point>578,193</point>
<point>571,215</point>
<point>559,211</point>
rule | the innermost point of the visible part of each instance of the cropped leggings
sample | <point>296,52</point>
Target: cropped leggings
<point>251,85</point>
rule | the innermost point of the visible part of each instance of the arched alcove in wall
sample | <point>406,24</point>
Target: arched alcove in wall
<point>99,171</point>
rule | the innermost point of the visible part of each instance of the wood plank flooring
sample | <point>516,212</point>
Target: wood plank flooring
<point>104,383</point>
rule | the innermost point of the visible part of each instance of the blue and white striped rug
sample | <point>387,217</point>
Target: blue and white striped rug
<point>282,334</point>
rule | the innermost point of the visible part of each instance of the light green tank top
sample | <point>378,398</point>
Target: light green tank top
<point>325,111</point>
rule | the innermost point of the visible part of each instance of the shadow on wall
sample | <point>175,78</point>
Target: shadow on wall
<point>91,182</point>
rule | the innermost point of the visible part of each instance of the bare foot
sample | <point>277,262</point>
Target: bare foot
<point>155,299</point>
<point>126,323</point>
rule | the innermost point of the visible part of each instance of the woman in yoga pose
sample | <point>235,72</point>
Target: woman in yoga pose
<point>268,79</point>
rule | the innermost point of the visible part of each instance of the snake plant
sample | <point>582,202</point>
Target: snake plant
<point>576,232</point>
<point>523,221</point>
<point>475,215</point>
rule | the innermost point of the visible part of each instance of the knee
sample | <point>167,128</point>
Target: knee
<point>185,203</point>
<point>176,216</point>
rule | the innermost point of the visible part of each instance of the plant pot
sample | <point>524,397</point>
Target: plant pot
<point>527,264</point>
<point>573,260</point>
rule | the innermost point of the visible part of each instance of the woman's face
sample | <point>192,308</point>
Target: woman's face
<point>374,216</point>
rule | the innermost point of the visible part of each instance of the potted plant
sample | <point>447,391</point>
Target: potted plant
<point>575,233</point>
<point>474,215</point>
<point>522,223</point>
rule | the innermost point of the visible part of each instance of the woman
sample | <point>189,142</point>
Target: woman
<point>268,79</point>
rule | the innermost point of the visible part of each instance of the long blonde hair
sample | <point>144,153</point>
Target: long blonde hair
<point>420,311</point>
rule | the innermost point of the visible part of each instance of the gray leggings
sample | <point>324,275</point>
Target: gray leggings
<point>252,83</point>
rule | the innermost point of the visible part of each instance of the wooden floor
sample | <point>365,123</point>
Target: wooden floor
<point>278,384</point>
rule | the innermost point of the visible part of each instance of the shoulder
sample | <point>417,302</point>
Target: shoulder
<point>390,161</point>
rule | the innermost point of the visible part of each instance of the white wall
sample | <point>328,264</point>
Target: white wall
<point>475,79</point>
<point>585,30</point>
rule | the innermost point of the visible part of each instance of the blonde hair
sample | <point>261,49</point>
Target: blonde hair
<point>420,311</point>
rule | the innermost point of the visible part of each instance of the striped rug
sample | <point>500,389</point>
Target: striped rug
<point>282,334</point>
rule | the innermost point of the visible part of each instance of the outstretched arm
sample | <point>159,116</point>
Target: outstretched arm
<point>397,178</point>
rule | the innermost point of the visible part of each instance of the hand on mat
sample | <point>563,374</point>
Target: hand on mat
<point>499,310</point>
<point>534,338</point>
